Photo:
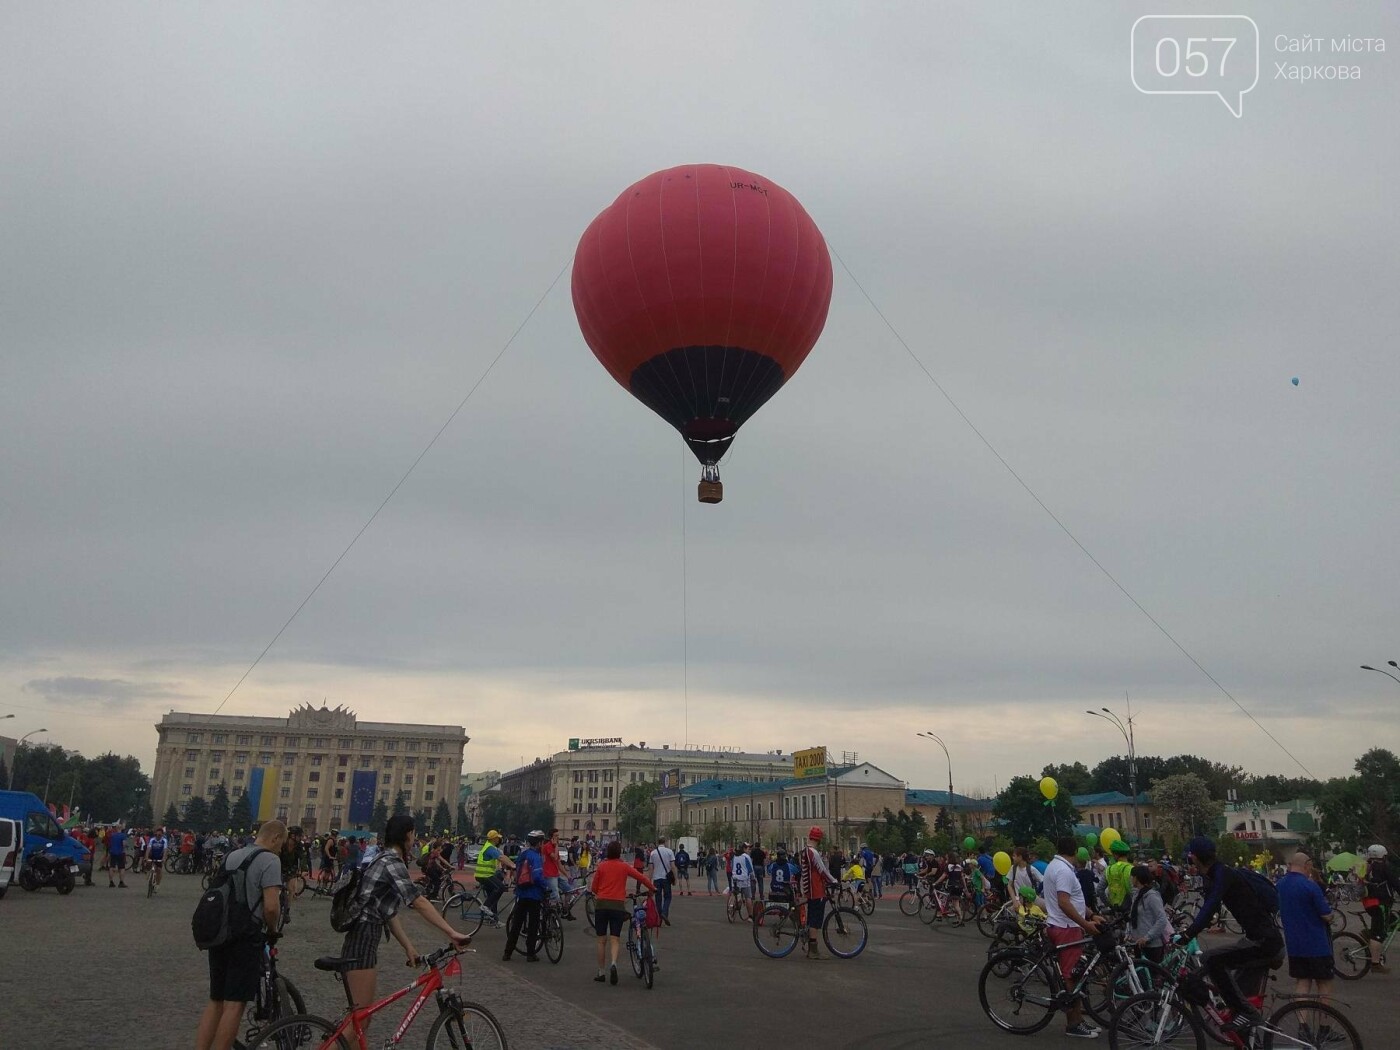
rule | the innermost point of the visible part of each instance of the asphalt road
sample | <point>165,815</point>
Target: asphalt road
<point>108,967</point>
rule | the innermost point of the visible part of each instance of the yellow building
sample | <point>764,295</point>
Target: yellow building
<point>302,768</point>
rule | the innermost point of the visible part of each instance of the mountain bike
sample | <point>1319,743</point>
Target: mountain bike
<point>782,924</point>
<point>277,998</point>
<point>472,913</point>
<point>1351,952</point>
<point>553,931</point>
<point>459,1025</point>
<point>640,947</point>
<point>737,904</point>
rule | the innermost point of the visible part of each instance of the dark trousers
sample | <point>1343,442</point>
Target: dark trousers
<point>1251,960</point>
<point>494,887</point>
<point>663,894</point>
<point>527,913</point>
<point>758,877</point>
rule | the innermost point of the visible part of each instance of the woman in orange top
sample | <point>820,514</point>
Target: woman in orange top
<point>610,908</point>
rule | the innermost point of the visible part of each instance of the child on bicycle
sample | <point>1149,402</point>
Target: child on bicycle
<point>1030,916</point>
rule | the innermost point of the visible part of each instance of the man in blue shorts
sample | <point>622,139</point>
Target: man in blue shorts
<point>116,856</point>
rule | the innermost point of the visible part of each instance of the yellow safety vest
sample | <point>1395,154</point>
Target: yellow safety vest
<point>486,868</point>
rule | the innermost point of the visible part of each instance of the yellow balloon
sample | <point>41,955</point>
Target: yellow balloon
<point>1001,860</point>
<point>1108,837</point>
<point>1048,787</point>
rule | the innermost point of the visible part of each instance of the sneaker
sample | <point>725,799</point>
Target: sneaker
<point>1082,1030</point>
<point>612,974</point>
<point>601,977</point>
<point>666,919</point>
<point>506,957</point>
<point>1242,1021</point>
<point>1379,968</point>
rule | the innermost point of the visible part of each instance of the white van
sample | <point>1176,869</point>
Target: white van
<point>11,846</point>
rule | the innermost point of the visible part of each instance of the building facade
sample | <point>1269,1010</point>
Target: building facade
<point>304,768</point>
<point>1113,809</point>
<point>583,783</point>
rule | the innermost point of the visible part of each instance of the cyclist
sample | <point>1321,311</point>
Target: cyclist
<point>813,878</point>
<point>610,910</point>
<point>1262,946</point>
<point>156,846</point>
<point>385,888</point>
<point>1068,918</point>
<point>741,874</point>
<point>1022,874</point>
<point>435,868</point>
<point>1119,876</point>
<point>488,864</point>
<point>529,899</point>
<point>711,865</point>
<point>781,874</point>
<point>1380,895</point>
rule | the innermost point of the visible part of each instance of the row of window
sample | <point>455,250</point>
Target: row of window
<point>187,791</point>
<point>592,776</point>
<point>342,743</point>
<point>593,792</point>
<point>593,807</point>
<point>1115,820</point>
<point>795,807</point>
<point>265,758</point>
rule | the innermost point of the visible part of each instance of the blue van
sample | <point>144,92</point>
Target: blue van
<point>41,831</point>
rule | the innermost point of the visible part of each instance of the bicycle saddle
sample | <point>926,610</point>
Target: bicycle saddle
<point>332,964</point>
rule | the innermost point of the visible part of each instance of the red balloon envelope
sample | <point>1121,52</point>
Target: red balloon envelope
<point>702,289</point>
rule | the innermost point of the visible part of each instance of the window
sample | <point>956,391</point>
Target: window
<point>593,776</point>
<point>366,745</point>
<point>39,822</point>
<point>267,740</point>
<point>237,791</point>
<point>293,741</point>
<point>607,792</point>
<point>193,738</point>
<point>387,778</point>
<point>578,792</point>
<point>427,796</point>
<point>770,810</point>
<point>310,812</point>
<point>312,792</point>
<point>578,807</point>
<point>289,760</point>
<point>243,738</point>
<point>191,755</point>
<point>287,792</point>
<point>384,796</point>
<point>787,808</point>
<point>1147,822</point>
<point>281,812</point>
<point>431,779</point>
<point>337,812</point>
<point>410,763</point>
<point>238,774</point>
<point>318,741</point>
<point>434,747</point>
<point>412,745</point>
<point>240,758</point>
<point>315,760</point>
<point>575,828</point>
<point>578,776</point>
<point>748,811</point>
<point>605,825</point>
<point>313,777</point>
<point>344,742</point>
<point>607,807</point>
<point>340,778</point>
<point>804,806</point>
<point>342,760</point>
<point>185,790</point>
<point>214,773</point>
<point>391,745</point>
<point>339,792</point>
<point>823,798</point>
<point>408,778</point>
<point>189,772</point>
<point>220,738</point>
<point>216,756</point>
<point>366,762</point>
<point>433,763</point>
<point>264,758</point>
<point>607,776</point>
<point>388,763</point>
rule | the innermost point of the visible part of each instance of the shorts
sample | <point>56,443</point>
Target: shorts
<point>1069,956</point>
<point>816,911</point>
<point>1311,967</point>
<point>362,944</point>
<point>741,892</point>
<point>117,862</point>
<point>158,857</point>
<point>234,970</point>
<point>608,923</point>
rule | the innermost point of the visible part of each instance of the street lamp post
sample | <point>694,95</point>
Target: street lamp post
<point>1127,730</point>
<point>10,786</point>
<point>939,741</point>
<point>1378,670</point>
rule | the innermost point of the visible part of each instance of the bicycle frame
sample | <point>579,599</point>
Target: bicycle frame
<point>427,985</point>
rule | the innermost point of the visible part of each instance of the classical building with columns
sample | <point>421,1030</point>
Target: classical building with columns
<point>303,768</point>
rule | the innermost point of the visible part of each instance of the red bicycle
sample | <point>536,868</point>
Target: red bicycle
<point>460,1025</point>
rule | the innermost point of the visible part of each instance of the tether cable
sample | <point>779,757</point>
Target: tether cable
<point>1055,518</point>
<point>411,467</point>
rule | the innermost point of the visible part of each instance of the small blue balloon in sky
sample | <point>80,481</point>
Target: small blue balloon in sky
<point>1295,380</point>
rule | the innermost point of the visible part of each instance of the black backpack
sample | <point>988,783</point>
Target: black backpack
<point>1264,890</point>
<point>346,904</point>
<point>223,915</point>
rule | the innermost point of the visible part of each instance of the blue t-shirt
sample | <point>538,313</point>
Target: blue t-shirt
<point>780,876</point>
<point>157,847</point>
<point>1301,907</point>
<point>988,868</point>
<point>116,844</point>
<point>535,891</point>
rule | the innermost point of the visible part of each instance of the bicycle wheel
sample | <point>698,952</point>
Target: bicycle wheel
<point>845,898</point>
<point>204,882</point>
<point>1337,920</point>
<point>151,883</point>
<point>777,933</point>
<point>634,949</point>
<point>589,913</point>
<point>466,1026</point>
<point>1135,978</point>
<point>844,932</point>
<point>295,886</point>
<point>930,912</point>
<point>731,908</point>
<point>1154,1020</point>
<point>987,917</point>
<point>909,902</point>
<point>553,936</point>
<point>1021,1002</point>
<point>285,1001</point>
<point>648,954</point>
<point>467,910</point>
<point>867,904</point>
<point>1351,957</point>
<point>300,1032</point>
<point>1228,922</point>
<point>1307,1023</point>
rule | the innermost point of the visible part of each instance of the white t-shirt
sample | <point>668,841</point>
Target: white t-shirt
<point>663,863</point>
<point>1060,877</point>
<point>742,870</point>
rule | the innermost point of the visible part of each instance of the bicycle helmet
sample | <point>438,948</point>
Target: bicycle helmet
<point>930,853</point>
<point>814,833</point>
<point>1376,852</point>
<point>1027,893</point>
<point>493,836</point>
<point>1201,849</point>
<point>535,837</point>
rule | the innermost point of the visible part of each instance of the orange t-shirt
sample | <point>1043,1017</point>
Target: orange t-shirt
<point>610,880</point>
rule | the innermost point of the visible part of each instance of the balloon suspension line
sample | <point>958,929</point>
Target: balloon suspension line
<point>685,602</point>
<point>1053,517</point>
<point>399,484</point>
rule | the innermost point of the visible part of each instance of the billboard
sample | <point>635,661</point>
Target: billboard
<point>670,780</point>
<point>809,763</point>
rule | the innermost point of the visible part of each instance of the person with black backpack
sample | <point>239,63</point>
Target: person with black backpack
<point>1254,907</point>
<point>244,903</point>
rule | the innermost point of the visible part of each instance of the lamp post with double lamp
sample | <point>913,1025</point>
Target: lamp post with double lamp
<point>1127,730</point>
<point>939,741</point>
<point>1378,670</point>
<point>10,786</point>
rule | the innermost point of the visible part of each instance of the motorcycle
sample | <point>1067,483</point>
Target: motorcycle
<point>48,869</point>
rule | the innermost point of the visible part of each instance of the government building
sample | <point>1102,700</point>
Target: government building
<point>319,767</point>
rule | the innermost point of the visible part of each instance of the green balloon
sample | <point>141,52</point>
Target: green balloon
<point>1091,840</point>
<point>1083,853</point>
<point>969,843</point>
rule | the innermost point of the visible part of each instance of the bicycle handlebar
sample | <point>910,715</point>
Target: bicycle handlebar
<point>438,957</point>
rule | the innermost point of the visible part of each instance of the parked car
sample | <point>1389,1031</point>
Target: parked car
<point>11,847</point>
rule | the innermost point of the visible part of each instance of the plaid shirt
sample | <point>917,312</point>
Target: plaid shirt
<point>385,887</point>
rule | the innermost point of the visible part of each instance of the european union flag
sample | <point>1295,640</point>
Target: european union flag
<point>362,789</point>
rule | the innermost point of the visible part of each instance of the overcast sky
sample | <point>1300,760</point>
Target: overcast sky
<point>254,256</point>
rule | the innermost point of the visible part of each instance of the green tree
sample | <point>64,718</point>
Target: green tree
<point>713,834</point>
<point>219,811</point>
<point>422,821</point>
<point>141,816</point>
<point>1028,817</point>
<point>400,804</point>
<point>442,817</point>
<point>1074,779</point>
<point>676,830</point>
<point>197,814</point>
<point>4,771</point>
<point>379,817</point>
<point>172,816</point>
<point>636,811</point>
<point>1359,810</point>
<point>464,825</point>
<point>1184,806</point>
<point>240,816</point>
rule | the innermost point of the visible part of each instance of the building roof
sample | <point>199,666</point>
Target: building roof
<point>1110,798</point>
<point>196,719</point>
<point>935,797</point>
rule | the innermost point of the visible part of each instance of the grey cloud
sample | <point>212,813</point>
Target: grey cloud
<point>113,694</point>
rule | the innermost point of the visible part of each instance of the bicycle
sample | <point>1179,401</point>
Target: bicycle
<point>472,912</point>
<point>460,1025</point>
<point>737,903</point>
<point>1351,952</point>
<point>276,999</point>
<point>151,880</point>
<point>640,948</point>
<point>942,906</point>
<point>553,932</point>
<point>783,923</point>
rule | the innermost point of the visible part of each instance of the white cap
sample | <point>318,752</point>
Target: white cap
<point>1375,852</point>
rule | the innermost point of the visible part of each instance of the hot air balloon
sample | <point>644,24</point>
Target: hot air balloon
<point>702,288</point>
